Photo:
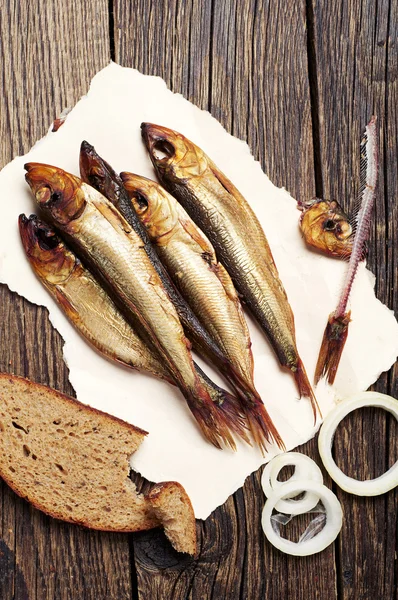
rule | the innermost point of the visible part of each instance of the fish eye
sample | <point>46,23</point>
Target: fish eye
<point>141,201</point>
<point>48,240</point>
<point>47,196</point>
<point>55,196</point>
<point>163,149</point>
<point>329,225</point>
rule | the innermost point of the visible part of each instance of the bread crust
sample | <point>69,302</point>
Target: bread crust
<point>153,523</point>
<point>156,497</point>
<point>150,510</point>
<point>73,401</point>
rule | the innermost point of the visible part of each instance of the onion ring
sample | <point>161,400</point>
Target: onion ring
<point>334,518</point>
<point>305,470</point>
<point>371,487</point>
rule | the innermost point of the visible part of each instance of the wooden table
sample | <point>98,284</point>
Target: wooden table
<point>298,81</point>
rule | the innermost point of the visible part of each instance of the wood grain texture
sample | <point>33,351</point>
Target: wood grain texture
<point>49,53</point>
<point>246,62</point>
<point>301,103</point>
<point>355,64</point>
<point>234,61</point>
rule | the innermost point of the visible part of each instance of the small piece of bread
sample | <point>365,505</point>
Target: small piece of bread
<point>72,462</point>
<point>173,508</point>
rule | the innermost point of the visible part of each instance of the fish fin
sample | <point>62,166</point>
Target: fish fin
<point>228,405</point>
<point>70,310</point>
<point>227,184</point>
<point>261,425</point>
<point>212,423</point>
<point>226,282</point>
<point>332,346</point>
<point>232,295</point>
<point>223,277</point>
<point>195,233</point>
<point>239,383</point>
<point>233,414</point>
<point>305,389</point>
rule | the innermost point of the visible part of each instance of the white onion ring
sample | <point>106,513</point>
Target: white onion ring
<point>305,470</point>
<point>370,487</point>
<point>334,518</point>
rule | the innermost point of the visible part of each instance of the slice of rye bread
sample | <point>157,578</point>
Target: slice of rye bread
<point>72,462</point>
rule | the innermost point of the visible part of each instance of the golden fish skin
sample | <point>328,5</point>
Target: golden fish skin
<point>223,214</point>
<point>83,300</point>
<point>105,239</point>
<point>96,172</point>
<point>326,227</point>
<point>192,264</point>
<point>91,310</point>
<point>206,285</point>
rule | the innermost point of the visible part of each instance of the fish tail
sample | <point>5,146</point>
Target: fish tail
<point>210,420</point>
<point>243,387</point>
<point>261,425</point>
<point>228,405</point>
<point>305,389</point>
<point>232,412</point>
<point>332,346</point>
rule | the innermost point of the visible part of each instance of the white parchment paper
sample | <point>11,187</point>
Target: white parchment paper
<point>109,117</point>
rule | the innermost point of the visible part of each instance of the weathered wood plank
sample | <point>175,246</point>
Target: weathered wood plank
<point>391,182</point>
<point>49,53</point>
<point>356,59</point>
<point>247,63</point>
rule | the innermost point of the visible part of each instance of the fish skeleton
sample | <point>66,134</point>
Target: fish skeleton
<point>219,209</point>
<point>336,331</point>
<point>192,264</point>
<point>106,241</point>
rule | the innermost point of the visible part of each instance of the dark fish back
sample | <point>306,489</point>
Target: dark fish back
<point>190,322</point>
<point>112,187</point>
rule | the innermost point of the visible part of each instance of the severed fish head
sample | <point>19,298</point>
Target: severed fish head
<point>57,192</point>
<point>172,154</point>
<point>95,171</point>
<point>326,226</point>
<point>46,252</point>
<point>154,206</point>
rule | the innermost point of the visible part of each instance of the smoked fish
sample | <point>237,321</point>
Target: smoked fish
<point>105,240</point>
<point>221,211</point>
<point>94,314</point>
<point>192,264</point>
